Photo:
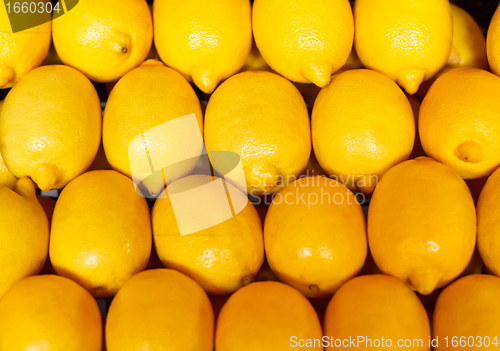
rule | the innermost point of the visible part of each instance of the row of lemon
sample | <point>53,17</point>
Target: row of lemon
<point>305,41</point>
<point>421,229</point>
<point>362,125</point>
<point>164,309</point>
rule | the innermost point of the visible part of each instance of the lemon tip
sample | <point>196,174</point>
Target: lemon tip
<point>410,80</point>
<point>318,73</point>
<point>424,282</point>
<point>206,82</point>
<point>470,152</point>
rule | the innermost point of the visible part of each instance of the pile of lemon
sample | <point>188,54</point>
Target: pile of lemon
<point>396,102</point>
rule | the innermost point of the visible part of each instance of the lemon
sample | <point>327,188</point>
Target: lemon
<point>101,232</point>
<point>493,43</point>
<point>261,117</point>
<point>306,41</point>
<point>467,312</point>
<point>266,316</point>
<point>25,234</point>
<point>22,51</point>
<point>488,223</point>
<point>48,312</point>
<point>422,224</point>
<point>315,235</point>
<point>104,40</point>
<point>362,125</point>
<point>6,178</point>
<point>143,99</point>
<point>374,307</point>
<point>459,121</point>
<point>50,126</point>
<point>468,47</point>
<point>222,254</point>
<point>408,41</point>
<point>207,41</point>
<point>160,309</point>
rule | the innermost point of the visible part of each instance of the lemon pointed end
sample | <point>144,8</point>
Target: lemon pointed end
<point>424,282</point>
<point>6,77</point>
<point>367,183</point>
<point>45,178</point>
<point>264,178</point>
<point>410,80</point>
<point>318,73</point>
<point>470,151</point>
<point>25,187</point>
<point>206,82</point>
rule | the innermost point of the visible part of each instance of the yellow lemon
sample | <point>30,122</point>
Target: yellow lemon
<point>101,232</point>
<point>148,97</point>
<point>362,125</point>
<point>104,40</point>
<point>466,313</point>
<point>488,223</point>
<point>493,43</point>
<point>459,121</point>
<point>422,224</point>
<point>375,307</point>
<point>468,47</point>
<point>263,118</point>
<point>266,316</point>
<point>315,235</point>
<point>25,234</point>
<point>406,40</point>
<point>207,41</point>
<point>219,250</point>
<point>50,126</point>
<point>22,51</point>
<point>6,178</point>
<point>160,309</point>
<point>306,41</point>
<point>48,312</point>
